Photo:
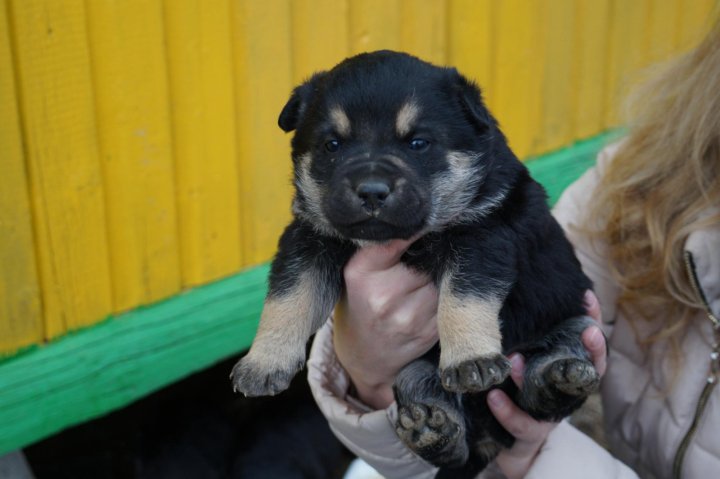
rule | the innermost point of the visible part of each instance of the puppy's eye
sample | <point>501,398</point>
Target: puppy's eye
<point>332,146</point>
<point>419,144</point>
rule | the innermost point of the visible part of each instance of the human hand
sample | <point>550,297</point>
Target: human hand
<point>530,434</point>
<point>385,319</point>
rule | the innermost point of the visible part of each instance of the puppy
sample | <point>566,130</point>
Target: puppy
<point>387,146</point>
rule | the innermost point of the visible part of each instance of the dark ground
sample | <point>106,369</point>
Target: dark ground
<point>197,428</point>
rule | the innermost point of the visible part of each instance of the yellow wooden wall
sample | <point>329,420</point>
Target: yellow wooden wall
<point>139,153</point>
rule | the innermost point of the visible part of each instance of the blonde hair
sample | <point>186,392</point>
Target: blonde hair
<point>660,186</point>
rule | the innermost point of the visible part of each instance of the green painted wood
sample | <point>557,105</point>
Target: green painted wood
<point>98,369</point>
<point>555,171</point>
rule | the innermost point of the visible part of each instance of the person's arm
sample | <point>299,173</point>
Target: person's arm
<point>385,320</point>
<point>367,432</point>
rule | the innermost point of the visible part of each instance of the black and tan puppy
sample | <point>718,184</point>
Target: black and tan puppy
<point>388,146</point>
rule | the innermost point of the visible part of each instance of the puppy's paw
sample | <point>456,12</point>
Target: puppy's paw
<point>435,431</point>
<point>556,388</point>
<point>573,376</point>
<point>254,379</point>
<point>476,374</point>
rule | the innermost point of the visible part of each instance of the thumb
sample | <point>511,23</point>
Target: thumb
<point>378,257</point>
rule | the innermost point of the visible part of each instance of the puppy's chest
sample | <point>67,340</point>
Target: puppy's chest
<point>431,255</point>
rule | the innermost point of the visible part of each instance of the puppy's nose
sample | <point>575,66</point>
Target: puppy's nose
<point>373,192</point>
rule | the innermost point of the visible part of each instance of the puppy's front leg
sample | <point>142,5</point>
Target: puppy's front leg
<point>305,284</point>
<point>472,291</point>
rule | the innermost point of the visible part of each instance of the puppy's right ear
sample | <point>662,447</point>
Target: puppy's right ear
<point>295,108</point>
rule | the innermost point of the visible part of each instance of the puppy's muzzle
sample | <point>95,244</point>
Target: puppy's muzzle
<point>373,181</point>
<point>376,198</point>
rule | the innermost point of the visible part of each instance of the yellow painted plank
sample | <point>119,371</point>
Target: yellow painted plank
<point>558,80</point>
<point>626,52</point>
<point>694,20</point>
<point>590,56</point>
<point>423,29</point>
<point>470,41</point>
<point>518,65</point>
<point>374,25</point>
<point>261,43</point>
<point>662,24</point>
<point>199,43</point>
<point>20,309</point>
<point>318,41</point>
<point>130,77</point>
<point>56,95</point>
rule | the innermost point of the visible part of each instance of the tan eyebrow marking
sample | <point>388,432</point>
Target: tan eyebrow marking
<point>340,121</point>
<point>406,116</point>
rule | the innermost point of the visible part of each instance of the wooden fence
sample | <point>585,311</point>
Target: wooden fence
<point>139,153</point>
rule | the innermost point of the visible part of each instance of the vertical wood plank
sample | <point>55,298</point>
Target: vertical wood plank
<point>130,76</point>
<point>203,119</point>
<point>662,34</point>
<point>423,29</point>
<point>55,90</point>
<point>261,45</point>
<point>559,79</point>
<point>518,65</point>
<point>470,46</point>
<point>590,64</point>
<point>318,41</point>
<point>626,53</point>
<point>374,25</point>
<point>20,308</point>
<point>694,21</point>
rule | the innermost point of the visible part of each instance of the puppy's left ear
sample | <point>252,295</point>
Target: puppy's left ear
<point>471,101</point>
<point>294,109</point>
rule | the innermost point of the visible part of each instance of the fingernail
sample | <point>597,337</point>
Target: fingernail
<point>495,398</point>
<point>589,299</point>
<point>516,361</point>
<point>595,338</point>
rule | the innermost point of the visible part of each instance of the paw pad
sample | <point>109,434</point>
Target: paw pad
<point>476,375</point>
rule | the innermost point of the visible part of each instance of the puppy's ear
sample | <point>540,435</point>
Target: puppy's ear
<point>472,104</point>
<point>295,108</point>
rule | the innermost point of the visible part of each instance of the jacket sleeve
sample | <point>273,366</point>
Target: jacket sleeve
<point>569,453</point>
<point>367,433</point>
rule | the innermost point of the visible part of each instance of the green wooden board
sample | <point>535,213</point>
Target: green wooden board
<point>98,369</point>
<point>92,371</point>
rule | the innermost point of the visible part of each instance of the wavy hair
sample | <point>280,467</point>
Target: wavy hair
<point>663,184</point>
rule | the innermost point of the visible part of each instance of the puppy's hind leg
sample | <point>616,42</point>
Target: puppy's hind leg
<point>305,284</point>
<point>430,419</point>
<point>559,374</point>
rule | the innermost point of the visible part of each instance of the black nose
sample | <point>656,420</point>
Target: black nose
<point>373,193</point>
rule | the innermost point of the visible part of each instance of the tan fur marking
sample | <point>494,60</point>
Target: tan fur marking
<point>340,121</point>
<point>311,208</point>
<point>286,324</point>
<point>468,327</point>
<point>406,117</point>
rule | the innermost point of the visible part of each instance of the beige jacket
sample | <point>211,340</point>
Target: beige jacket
<point>656,434</point>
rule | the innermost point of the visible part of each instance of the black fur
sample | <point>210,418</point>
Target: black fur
<point>487,236</point>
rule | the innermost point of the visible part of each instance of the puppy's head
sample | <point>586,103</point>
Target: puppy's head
<point>387,146</point>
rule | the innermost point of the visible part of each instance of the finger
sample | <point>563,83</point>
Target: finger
<point>399,279</point>
<point>379,294</point>
<point>517,371</point>
<point>378,257</point>
<point>594,342</point>
<point>592,306</point>
<point>516,421</point>
<point>417,311</point>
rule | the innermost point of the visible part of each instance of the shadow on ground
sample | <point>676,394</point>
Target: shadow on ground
<point>197,428</point>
